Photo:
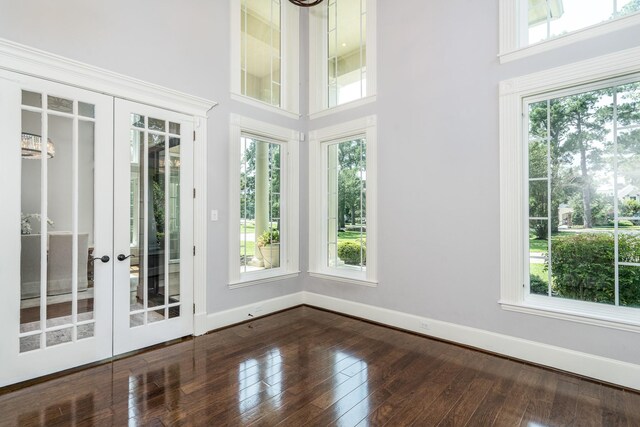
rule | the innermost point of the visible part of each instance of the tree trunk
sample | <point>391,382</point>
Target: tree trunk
<point>586,182</point>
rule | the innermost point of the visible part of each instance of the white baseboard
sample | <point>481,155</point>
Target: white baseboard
<point>587,365</point>
<point>252,311</point>
<point>584,364</point>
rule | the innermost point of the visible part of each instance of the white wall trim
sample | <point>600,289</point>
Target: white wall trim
<point>38,63</point>
<point>588,365</point>
<point>510,49</point>
<point>253,311</point>
<point>200,209</point>
<point>264,106</point>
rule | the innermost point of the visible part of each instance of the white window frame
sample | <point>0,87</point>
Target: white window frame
<point>290,53</point>
<point>513,14</point>
<point>289,201</point>
<point>514,295</point>
<point>318,141</point>
<point>318,70</point>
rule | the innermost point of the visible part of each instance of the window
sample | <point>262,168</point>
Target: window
<point>569,189</point>
<point>342,37</point>
<point>342,231</point>
<point>264,53</point>
<point>263,202</point>
<point>549,20</point>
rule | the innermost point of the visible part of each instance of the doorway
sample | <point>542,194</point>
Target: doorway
<point>101,264</point>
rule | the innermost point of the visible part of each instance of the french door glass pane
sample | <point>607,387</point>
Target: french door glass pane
<point>57,204</point>
<point>154,220</point>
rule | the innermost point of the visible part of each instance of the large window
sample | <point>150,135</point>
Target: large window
<point>342,37</point>
<point>342,213</point>
<point>548,21</point>
<point>570,192</point>
<point>584,194</point>
<point>264,53</point>
<point>263,202</point>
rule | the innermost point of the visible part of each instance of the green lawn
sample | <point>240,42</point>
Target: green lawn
<point>538,270</point>
<point>538,245</point>
<point>351,236</point>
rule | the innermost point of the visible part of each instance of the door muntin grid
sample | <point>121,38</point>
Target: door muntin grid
<point>154,238</point>
<point>57,201</point>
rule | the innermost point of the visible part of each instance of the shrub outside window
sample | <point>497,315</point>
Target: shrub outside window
<point>584,195</point>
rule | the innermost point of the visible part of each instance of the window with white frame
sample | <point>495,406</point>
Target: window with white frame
<point>263,201</point>
<point>264,52</point>
<point>570,229</point>
<point>342,232</point>
<point>539,21</point>
<point>342,52</point>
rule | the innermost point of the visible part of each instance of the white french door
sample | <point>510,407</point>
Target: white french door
<point>95,227</point>
<point>153,226</point>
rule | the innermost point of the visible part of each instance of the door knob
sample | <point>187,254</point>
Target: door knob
<point>104,258</point>
<point>122,257</point>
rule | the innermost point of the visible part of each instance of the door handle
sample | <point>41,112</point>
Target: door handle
<point>104,258</point>
<point>122,257</point>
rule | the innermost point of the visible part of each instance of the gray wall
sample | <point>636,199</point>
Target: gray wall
<point>438,145</point>
<point>437,113</point>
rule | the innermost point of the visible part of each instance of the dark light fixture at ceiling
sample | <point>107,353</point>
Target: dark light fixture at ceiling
<point>306,3</point>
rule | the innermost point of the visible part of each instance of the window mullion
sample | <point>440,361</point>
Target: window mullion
<point>615,199</point>
<point>549,207</point>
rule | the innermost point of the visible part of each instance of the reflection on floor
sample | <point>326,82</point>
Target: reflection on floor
<point>309,367</point>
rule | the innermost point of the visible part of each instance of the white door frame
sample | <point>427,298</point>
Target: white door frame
<point>27,60</point>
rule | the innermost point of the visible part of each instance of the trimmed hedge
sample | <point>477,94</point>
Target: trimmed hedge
<point>583,268</point>
<point>349,252</point>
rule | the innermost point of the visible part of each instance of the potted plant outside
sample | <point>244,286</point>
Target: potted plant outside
<point>269,247</point>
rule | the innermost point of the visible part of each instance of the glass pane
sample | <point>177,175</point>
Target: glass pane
<point>538,198</point>
<point>156,217</point>
<point>86,110</point>
<point>174,128</point>
<point>629,283</point>
<point>136,320</point>
<point>538,250</point>
<point>85,238</point>
<point>60,104</point>
<point>136,220</point>
<point>59,337</point>
<point>174,312</point>
<point>627,7</point>
<point>86,331</point>
<point>31,99</point>
<point>31,243</point>
<point>538,277</point>
<point>156,316</point>
<point>29,343</point>
<point>156,124</point>
<point>174,220</point>
<point>137,120</point>
<point>61,241</point>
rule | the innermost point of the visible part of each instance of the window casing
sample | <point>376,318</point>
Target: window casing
<point>264,54</point>
<point>263,219</point>
<point>342,213</point>
<point>528,27</point>
<point>342,53</point>
<point>555,126</point>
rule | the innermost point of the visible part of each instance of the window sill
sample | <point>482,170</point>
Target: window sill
<point>596,30</point>
<point>264,106</point>
<point>344,279</point>
<point>579,312</point>
<point>243,283</point>
<point>343,107</point>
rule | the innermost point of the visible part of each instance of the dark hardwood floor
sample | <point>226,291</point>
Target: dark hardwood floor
<point>306,367</point>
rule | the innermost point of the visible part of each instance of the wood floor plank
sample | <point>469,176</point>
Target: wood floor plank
<point>307,367</point>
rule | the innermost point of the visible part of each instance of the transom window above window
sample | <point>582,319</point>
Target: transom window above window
<point>260,50</point>
<point>529,27</point>
<point>583,227</point>
<point>551,18</point>
<point>342,53</point>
